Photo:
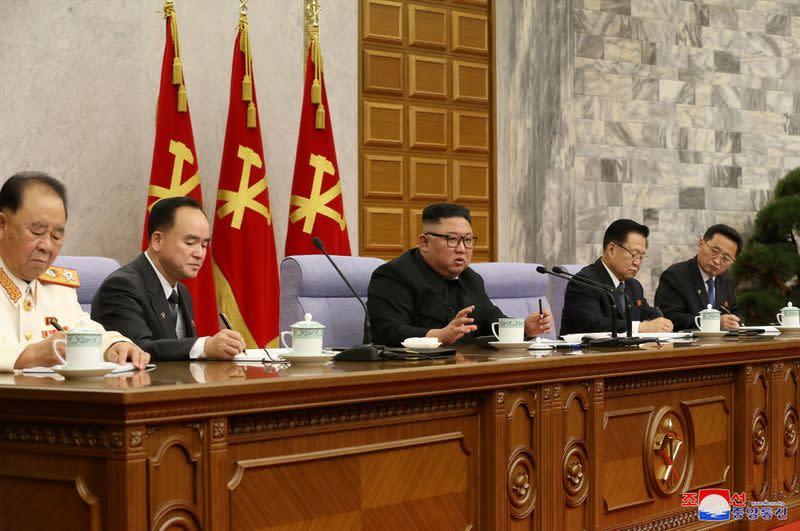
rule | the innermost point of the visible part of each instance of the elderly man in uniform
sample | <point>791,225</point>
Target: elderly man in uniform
<point>33,213</point>
<point>431,290</point>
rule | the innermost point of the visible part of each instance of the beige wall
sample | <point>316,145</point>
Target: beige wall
<point>80,82</point>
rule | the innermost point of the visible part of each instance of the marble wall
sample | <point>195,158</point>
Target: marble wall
<point>680,114</point>
<point>79,88</point>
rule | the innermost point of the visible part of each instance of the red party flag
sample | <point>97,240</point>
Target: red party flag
<point>175,172</point>
<point>245,262</point>
<point>316,205</point>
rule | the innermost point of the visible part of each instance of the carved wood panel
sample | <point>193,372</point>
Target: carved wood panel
<point>426,91</point>
<point>663,435</point>
<point>176,471</point>
<point>382,473</point>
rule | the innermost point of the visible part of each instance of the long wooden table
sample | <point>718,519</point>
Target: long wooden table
<point>489,440</point>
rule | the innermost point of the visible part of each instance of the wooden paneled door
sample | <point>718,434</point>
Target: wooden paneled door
<point>426,119</point>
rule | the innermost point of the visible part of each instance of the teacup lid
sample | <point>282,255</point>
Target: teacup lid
<point>307,323</point>
<point>710,309</point>
<point>789,307</point>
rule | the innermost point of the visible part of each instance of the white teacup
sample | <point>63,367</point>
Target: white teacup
<point>708,320</point>
<point>84,349</point>
<point>789,316</point>
<point>306,337</point>
<point>509,329</point>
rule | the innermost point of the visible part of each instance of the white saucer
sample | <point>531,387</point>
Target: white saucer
<point>410,344</point>
<point>324,356</point>
<point>700,333</point>
<point>84,373</point>
<point>501,345</point>
<point>789,329</point>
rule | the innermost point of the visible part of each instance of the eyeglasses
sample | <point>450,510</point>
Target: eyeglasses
<point>635,257</point>
<point>453,240</point>
<point>717,252</point>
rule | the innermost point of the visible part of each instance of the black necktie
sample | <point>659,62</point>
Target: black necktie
<point>174,303</point>
<point>621,298</point>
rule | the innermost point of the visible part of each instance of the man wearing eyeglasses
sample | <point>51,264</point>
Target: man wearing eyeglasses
<point>431,290</point>
<point>589,310</point>
<point>688,287</point>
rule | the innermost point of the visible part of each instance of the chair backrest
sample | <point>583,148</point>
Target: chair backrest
<point>309,284</point>
<point>558,288</point>
<point>92,271</point>
<point>515,288</point>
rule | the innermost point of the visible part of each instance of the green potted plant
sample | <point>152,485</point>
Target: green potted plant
<point>767,271</point>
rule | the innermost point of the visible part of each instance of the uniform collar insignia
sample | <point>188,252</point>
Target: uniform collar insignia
<point>9,287</point>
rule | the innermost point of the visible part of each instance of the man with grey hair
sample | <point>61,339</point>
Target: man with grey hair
<point>33,294</point>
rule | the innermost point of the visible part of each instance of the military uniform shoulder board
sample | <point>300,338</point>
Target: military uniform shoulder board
<point>61,276</point>
<point>9,287</point>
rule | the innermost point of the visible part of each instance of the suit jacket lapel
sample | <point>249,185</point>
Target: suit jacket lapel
<point>603,274</point>
<point>155,295</point>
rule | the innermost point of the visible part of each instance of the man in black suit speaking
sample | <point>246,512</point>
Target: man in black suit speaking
<point>145,300</point>
<point>589,310</point>
<point>688,287</point>
<point>431,290</point>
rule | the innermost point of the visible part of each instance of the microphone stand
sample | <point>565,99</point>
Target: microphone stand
<point>367,351</point>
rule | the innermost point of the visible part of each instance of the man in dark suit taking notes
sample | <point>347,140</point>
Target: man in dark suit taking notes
<point>688,287</point>
<point>145,300</point>
<point>588,310</point>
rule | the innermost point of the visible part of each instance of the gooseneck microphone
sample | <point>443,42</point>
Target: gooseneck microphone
<point>614,341</point>
<point>367,351</point>
<point>605,289</point>
<point>628,322</point>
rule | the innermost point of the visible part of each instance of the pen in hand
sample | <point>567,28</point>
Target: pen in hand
<point>541,310</point>
<point>225,321</point>
<point>56,325</point>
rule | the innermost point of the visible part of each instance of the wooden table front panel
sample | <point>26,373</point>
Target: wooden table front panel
<point>394,465</point>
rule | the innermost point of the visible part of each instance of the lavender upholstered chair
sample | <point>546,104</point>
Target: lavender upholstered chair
<point>514,287</point>
<point>309,284</point>
<point>92,271</point>
<point>556,293</point>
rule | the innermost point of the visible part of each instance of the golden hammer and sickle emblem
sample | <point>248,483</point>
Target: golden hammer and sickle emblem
<point>317,203</point>
<point>238,202</point>
<point>176,187</point>
<point>668,446</point>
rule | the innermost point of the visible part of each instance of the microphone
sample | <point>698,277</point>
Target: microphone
<point>606,287</point>
<point>562,274</point>
<point>614,341</point>
<point>367,351</point>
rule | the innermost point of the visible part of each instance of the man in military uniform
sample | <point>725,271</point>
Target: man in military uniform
<point>33,213</point>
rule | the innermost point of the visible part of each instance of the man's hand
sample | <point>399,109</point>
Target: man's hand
<point>122,352</point>
<point>659,324</point>
<point>224,345</point>
<point>536,325</point>
<point>40,354</point>
<point>455,329</point>
<point>728,321</point>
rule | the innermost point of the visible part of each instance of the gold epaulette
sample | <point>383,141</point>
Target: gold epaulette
<point>61,276</point>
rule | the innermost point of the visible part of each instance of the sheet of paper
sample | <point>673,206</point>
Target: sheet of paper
<point>262,355</point>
